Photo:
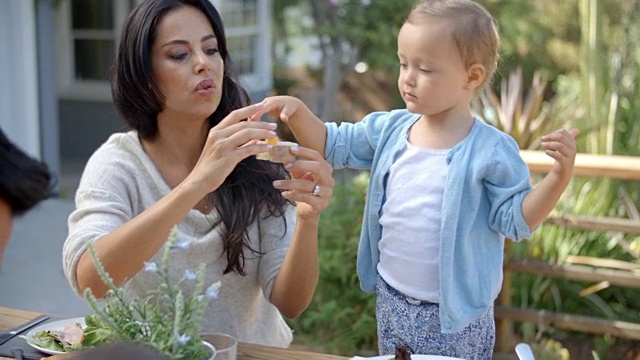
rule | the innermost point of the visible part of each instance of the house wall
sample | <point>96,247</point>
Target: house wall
<point>84,126</point>
<point>19,110</point>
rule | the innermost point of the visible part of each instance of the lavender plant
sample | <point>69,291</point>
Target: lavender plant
<point>167,319</point>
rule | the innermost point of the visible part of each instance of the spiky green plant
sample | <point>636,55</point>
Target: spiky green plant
<point>526,116</point>
<point>167,319</point>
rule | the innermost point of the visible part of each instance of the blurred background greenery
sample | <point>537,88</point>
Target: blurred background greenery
<point>572,63</point>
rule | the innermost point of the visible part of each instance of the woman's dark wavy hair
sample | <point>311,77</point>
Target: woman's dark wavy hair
<point>24,181</point>
<point>248,189</point>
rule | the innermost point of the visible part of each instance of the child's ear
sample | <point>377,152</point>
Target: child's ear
<point>475,76</point>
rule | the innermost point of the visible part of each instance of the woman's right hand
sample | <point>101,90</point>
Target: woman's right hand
<point>228,143</point>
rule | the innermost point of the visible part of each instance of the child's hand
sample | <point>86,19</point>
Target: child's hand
<point>308,130</point>
<point>282,106</point>
<point>561,146</point>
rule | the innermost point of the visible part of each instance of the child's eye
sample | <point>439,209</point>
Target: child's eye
<point>403,65</point>
<point>426,71</point>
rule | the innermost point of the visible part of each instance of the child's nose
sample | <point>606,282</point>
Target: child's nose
<point>409,78</point>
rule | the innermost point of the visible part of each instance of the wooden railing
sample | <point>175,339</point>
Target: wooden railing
<point>602,272</point>
<point>610,166</point>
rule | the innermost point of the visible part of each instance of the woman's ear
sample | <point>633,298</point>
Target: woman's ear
<point>475,76</point>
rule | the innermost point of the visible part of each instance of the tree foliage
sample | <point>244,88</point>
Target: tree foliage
<point>346,32</point>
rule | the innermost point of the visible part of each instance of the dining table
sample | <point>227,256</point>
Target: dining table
<point>11,317</point>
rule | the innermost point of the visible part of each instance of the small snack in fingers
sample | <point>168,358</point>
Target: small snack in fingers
<point>279,153</point>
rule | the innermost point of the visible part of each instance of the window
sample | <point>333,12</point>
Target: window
<point>247,24</point>
<point>92,31</point>
<point>88,31</point>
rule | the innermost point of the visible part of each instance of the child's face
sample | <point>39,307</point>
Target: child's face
<point>433,79</point>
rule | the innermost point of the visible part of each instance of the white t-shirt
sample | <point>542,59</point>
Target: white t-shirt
<point>410,219</point>
<point>119,182</point>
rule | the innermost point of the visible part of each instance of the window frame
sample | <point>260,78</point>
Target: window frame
<point>68,86</point>
<point>261,78</point>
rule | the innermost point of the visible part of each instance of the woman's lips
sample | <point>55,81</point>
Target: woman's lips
<point>205,87</point>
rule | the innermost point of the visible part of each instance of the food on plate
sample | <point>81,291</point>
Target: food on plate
<point>72,336</point>
<point>279,153</point>
<point>68,338</point>
<point>402,353</point>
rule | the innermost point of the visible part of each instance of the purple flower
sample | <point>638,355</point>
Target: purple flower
<point>182,244</point>
<point>212,291</point>
<point>190,275</point>
<point>182,339</point>
<point>150,267</point>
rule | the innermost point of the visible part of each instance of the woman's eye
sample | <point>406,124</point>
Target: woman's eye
<point>178,56</point>
<point>212,51</point>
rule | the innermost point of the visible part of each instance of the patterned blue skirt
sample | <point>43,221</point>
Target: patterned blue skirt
<point>403,320</point>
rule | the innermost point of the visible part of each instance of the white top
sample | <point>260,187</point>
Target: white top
<point>410,220</point>
<point>119,182</point>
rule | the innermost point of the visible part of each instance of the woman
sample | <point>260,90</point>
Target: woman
<point>190,161</point>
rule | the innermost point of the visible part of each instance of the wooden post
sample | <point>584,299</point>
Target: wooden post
<point>504,326</point>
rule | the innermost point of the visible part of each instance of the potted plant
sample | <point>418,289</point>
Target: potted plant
<point>167,320</point>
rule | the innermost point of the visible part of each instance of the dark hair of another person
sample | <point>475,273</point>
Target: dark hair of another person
<point>240,200</point>
<point>24,181</point>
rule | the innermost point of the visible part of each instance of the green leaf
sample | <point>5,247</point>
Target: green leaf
<point>45,340</point>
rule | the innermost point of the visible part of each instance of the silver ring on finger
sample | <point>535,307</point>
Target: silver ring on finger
<point>316,190</point>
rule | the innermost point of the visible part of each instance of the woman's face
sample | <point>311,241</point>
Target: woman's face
<point>187,65</point>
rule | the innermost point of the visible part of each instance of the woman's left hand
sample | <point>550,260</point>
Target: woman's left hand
<point>311,183</point>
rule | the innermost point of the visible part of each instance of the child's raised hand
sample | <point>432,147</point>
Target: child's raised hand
<point>282,106</point>
<point>561,146</point>
<point>307,128</point>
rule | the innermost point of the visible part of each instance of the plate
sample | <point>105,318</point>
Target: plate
<point>54,325</point>
<point>413,357</point>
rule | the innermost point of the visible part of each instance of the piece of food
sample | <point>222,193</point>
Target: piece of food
<point>71,334</point>
<point>272,141</point>
<point>402,353</point>
<point>279,153</point>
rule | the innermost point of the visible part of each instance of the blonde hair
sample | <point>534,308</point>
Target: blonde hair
<point>474,30</point>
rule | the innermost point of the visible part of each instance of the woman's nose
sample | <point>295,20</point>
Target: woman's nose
<point>202,62</point>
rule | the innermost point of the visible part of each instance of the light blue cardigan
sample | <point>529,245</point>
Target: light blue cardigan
<point>482,203</point>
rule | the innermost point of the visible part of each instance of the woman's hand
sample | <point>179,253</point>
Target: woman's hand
<point>228,143</point>
<point>311,183</point>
